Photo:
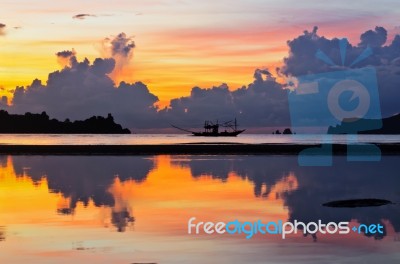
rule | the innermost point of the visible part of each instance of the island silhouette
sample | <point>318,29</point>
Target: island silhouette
<point>42,124</point>
<point>389,126</point>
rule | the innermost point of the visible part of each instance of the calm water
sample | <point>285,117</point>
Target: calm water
<point>97,209</point>
<point>56,139</point>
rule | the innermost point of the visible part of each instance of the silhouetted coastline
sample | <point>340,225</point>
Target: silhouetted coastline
<point>42,124</point>
<point>390,126</point>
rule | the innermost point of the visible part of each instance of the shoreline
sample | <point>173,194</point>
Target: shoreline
<point>183,149</point>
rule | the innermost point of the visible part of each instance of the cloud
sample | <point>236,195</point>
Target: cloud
<point>66,53</point>
<point>373,38</point>
<point>385,59</point>
<point>122,45</point>
<point>64,57</point>
<point>119,45</point>
<point>120,48</point>
<point>2,29</point>
<point>262,103</point>
<point>82,89</point>
<point>83,16</point>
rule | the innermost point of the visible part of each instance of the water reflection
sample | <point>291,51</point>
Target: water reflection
<point>82,178</point>
<point>263,172</point>
<point>348,181</point>
<point>2,233</point>
<point>313,186</point>
<point>76,197</point>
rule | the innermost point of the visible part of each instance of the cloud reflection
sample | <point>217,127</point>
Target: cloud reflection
<point>85,179</point>
<point>347,180</point>
<point>2,233</point>
<point>307,188</point>
<point>144,188</point>
<point>263,172</point>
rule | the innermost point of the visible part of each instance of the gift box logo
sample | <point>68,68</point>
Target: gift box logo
<point>345,100</point>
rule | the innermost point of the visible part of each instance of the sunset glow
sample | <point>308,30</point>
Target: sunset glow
<point>179,44</point>
<point>51,212</point>
<point>187,131</point>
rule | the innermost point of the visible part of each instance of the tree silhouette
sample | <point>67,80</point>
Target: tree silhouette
<point>42,124</point>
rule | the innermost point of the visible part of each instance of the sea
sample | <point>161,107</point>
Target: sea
<point>148,139</point>
<point>138,209</point>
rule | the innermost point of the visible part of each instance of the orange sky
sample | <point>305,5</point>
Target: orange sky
<point>179,44</point>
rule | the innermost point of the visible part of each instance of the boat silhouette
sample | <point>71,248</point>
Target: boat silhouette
<point>211,129</point>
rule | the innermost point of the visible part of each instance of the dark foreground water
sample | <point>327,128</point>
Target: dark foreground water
<point>98,209</point>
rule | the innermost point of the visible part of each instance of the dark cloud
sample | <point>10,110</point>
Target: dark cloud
<point>83,16</point>
<point>302,49</point>
<point>121,45</point>
<point>64,57</point>
<point>264,102</point>
<point>120,48</point>
<point>66,53</point>
<point>82,89</point>
<point>261,103</point>
<point>2,29</point>
<point>385,59</point>
<point>373,38</point>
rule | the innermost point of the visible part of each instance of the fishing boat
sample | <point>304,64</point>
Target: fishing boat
<point>211,129</point>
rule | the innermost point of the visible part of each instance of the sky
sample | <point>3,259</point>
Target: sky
<point>178,45</point>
